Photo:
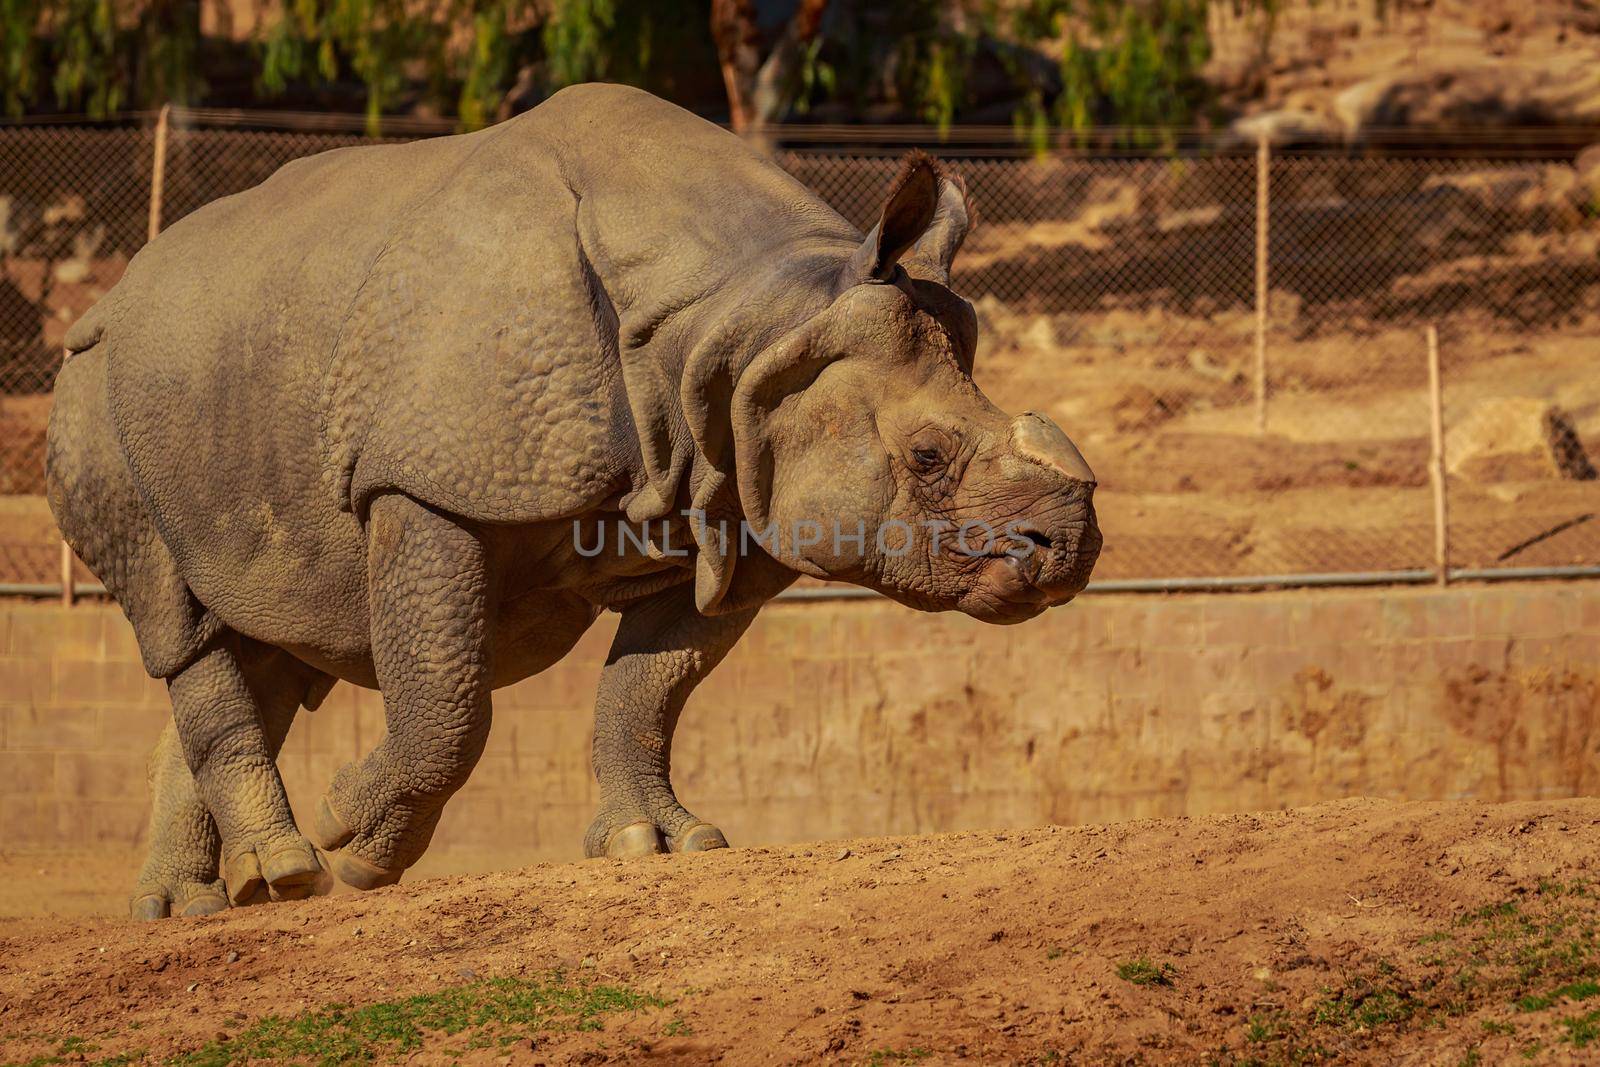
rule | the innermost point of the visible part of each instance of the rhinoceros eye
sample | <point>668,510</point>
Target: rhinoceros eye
<point>927,457</point>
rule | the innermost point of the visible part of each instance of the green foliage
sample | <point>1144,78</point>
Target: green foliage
<point>1264,1027</point>
<point>635,42</point>
<point>582,38</point>
<point>1142,971</point>
<point>490,1012</point>
<point>1530,955</point>
<point>379,42</point>
<point>84,47</point>
<point>918,53</point>
<point>1135,65</point>
<point>934,57</point>
<point>817,77</point>
<point>487,67</point>
<point>18,53</point>
<point>98,56</point>
<point>165,49</point>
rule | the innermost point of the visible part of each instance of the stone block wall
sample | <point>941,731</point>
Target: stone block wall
<point>836,719</point>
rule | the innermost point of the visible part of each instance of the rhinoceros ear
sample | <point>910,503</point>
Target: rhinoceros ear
<point>931,257</point>
<point>912,204</point>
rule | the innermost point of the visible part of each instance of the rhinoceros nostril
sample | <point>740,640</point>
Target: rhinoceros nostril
<point>1039,539</point>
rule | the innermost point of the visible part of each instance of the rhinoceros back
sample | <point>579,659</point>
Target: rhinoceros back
<point>440,318</point>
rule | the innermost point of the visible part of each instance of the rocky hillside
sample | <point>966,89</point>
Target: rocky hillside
<point>1365,70</point>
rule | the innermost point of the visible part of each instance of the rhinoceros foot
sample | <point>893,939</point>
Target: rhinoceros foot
<point>334,834</point>
<point>285,870</point>
<point>646,837</point>
<point>185,898</point>
<point>179,876</point>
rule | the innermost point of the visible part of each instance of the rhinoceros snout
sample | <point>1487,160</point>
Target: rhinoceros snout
<point>1064,533</point>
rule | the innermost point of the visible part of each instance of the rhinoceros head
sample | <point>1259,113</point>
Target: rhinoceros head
<point>869,455</point>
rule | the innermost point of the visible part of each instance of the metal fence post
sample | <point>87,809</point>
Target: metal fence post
<point>66,575</point>
<point>1263,184</point>
<point>158,171</point>
<point>1441,505</point>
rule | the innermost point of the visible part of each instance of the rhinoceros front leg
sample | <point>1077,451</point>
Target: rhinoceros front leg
<point>663,648</point>
<point>428,590</point>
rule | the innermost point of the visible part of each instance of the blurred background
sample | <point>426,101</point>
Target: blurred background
<point>1315,286</point>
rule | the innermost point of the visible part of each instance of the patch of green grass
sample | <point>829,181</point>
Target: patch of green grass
<point>1364,1005</point>
<point>1263,1028</point>
<point>1582,1029</point>
<point>342,1034</point>
<point>1582,990</point>
<point>81,1050</point>
<point>678,1027</point>
<point>888,1055</point>
<point>1535,951</point>
<point>1275,1051</point>
<point>1144,971</point>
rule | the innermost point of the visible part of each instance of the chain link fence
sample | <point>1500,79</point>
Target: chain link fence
<point>1238,344</point>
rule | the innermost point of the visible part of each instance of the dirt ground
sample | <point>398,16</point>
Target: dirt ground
<point>1355,932</point>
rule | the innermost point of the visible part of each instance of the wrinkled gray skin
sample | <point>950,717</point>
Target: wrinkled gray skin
<point>344,426</point>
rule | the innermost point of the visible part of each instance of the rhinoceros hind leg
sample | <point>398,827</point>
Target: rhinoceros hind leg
<point>233,706</point>
<point>179,876</point>
<point>428,592</point>
<point>663,649</point>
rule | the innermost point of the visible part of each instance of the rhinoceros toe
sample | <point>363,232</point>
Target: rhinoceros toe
<point>183,898</point>
<point>636,839</point>
<point>701,837</point>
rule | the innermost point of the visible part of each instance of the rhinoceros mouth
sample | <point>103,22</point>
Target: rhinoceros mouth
<point>1005,591</point>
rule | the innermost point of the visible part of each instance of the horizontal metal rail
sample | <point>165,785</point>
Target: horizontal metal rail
<point>1534,142</point>
<point>1243,583</point>
<point>1222,583</point>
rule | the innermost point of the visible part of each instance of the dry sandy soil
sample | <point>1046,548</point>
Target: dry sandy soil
<point>1362,931</point>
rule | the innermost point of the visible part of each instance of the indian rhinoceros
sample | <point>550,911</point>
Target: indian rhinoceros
<point>371,419</point>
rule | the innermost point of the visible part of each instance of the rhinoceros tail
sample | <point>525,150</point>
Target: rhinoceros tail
<point>87,331</point>
<point>101,514</point>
